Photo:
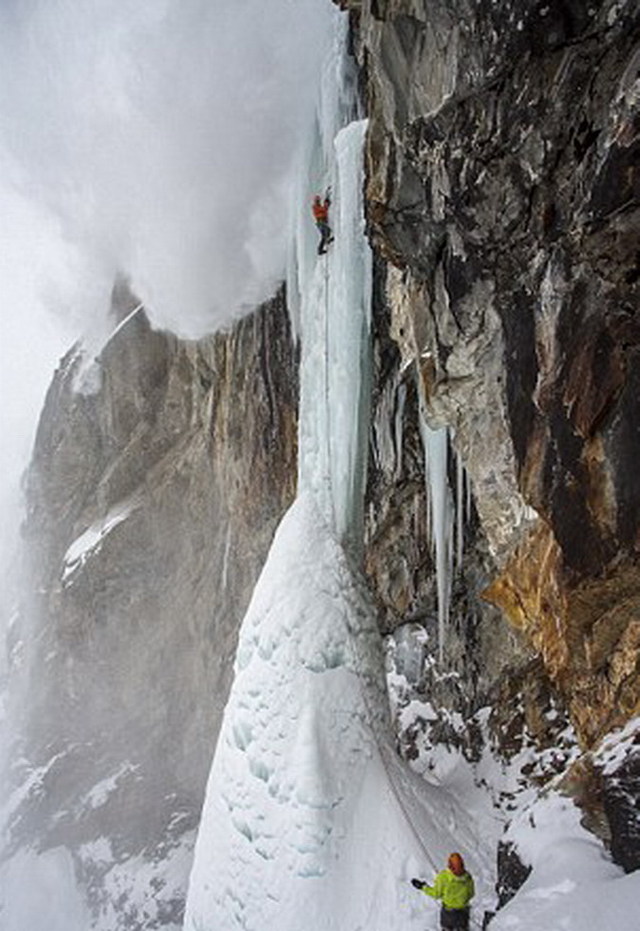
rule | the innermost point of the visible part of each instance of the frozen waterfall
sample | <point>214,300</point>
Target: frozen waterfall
<point>335,378</point>
<point>306,796</point>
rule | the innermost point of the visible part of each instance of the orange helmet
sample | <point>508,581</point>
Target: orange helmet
<point>456,864</point>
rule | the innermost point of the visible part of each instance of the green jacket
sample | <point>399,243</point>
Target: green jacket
<point>455,891</point>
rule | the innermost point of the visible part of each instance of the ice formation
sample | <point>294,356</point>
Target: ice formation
<point>448,511</point>
<point>331,296</point>
<point>436,445</point>
<point>335,354</point>
<point>306,797</point>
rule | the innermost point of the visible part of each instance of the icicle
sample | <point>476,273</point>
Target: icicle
<point>459,510</point>
<point>428,508</point>
<point>225,558</point>
<point>401,399</point>
<point>435,444</point>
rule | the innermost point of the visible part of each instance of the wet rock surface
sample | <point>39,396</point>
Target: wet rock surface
<point>400,560</point>
<point>503,188</point>
<point>512,872</point>
<point>621,792</point>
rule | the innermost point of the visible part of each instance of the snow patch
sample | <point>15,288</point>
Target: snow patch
<point>100,793</point>
<point>573,885</point>
<point>89,543</point>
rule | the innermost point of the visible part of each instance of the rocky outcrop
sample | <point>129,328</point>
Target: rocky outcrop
<point>159,475</point>
<point>503,190</point>
<point>399,550</point>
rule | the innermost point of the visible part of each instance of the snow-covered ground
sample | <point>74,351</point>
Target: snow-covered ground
<point>573,884</point>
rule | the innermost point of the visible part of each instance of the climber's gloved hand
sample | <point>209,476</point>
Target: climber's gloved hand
<point>417,883</point>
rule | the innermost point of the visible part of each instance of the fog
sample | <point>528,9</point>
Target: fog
<point>36,284</point>
<point>160,133</point>
<point>150,138</point>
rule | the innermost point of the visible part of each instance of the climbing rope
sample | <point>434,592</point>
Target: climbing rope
<point>351,636</point>
<point>382,749</point>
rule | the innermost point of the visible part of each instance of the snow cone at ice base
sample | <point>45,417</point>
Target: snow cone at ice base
<point>302,805</point>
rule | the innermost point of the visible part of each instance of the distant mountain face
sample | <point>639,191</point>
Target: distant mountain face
<point>159,475</point>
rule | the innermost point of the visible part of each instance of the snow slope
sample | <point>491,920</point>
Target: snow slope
<point>302,824</point>
<point>573,886</point>
<point>310,818</point>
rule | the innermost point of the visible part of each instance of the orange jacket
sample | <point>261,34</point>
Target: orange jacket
<point>320,210</point>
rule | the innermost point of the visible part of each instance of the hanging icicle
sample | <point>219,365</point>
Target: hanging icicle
<point>399,419</point>
<point>460,483</point>
<point>436,444</point>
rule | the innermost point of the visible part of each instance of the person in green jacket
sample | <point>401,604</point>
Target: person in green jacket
<point>454,887</point>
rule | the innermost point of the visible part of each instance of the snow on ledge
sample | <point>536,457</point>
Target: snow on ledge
<point>89,543</point>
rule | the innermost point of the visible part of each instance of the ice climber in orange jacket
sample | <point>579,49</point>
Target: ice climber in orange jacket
<point>320,209</point>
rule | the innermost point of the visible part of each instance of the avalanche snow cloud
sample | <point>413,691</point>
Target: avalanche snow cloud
<point>161,133</point>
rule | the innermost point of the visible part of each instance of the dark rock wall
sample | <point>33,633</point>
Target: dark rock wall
<point>504,192</point>
<point>503,200</point>
<point>130,648</point>
<point>399,551</point>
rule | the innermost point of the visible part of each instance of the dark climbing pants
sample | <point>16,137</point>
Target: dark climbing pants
<point>325,235</point>
<point>454,918</point>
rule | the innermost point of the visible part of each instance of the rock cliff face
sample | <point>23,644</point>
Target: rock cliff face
<point>159,475</point>
<point>504,192</point>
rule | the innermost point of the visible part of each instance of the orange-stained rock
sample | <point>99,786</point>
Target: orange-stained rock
<point>587,632</point>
